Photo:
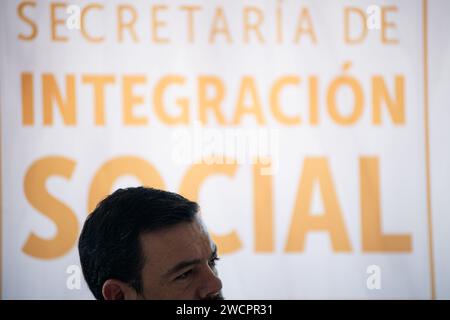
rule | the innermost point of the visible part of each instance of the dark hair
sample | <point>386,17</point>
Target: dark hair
<point>109,244</point>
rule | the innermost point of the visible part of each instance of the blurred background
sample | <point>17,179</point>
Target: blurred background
<point>313,134</point>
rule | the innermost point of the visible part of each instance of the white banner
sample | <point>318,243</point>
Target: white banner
<point>348,100</point>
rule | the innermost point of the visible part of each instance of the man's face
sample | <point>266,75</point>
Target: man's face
<point>180,263</point>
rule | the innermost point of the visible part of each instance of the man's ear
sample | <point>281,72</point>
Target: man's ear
<point>118,290</point>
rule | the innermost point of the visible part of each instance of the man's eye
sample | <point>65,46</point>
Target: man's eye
<point>184,275</point>
<point>212,262</point>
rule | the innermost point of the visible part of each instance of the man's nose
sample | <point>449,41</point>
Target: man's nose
<point>211,284</point>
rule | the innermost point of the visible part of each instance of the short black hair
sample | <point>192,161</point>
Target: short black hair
<point>109,243</point>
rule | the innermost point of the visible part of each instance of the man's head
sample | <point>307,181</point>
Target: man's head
<point>144,243</point>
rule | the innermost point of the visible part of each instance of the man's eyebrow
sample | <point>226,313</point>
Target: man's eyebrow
<point>181,265</point>
<point>187,263</point>
<point>214,251</point>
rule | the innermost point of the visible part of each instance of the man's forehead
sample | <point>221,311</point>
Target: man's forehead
<point>183,240</point>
